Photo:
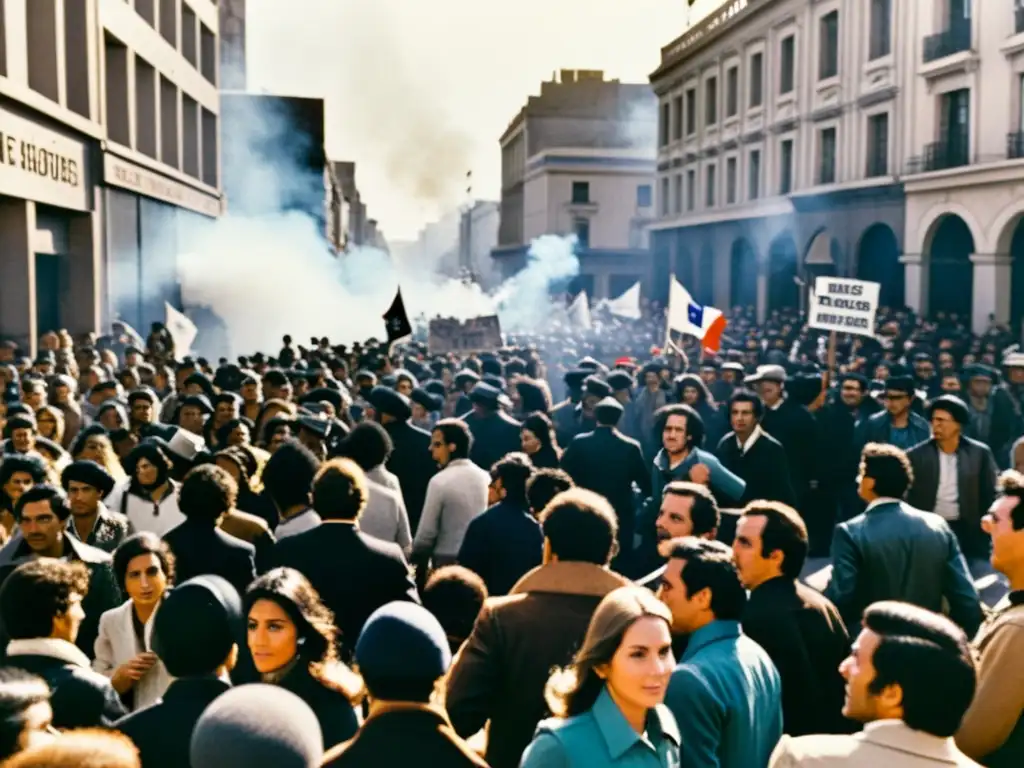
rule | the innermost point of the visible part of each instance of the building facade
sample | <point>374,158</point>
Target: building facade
<point>51,211</point>
<point>233,76</point>
<point>579,159</point>
<point>846,137</point>
<point>478,236</point>
<point>160,163</point>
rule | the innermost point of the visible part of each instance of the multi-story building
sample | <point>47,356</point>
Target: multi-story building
<point>845,137</point>
<point>161,143</point>
<point>478,236</point>
<point>233,76</point>
<point>579,159</point>
<point>337,210</point>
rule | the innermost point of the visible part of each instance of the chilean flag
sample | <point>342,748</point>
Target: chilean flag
<point>688,317</point>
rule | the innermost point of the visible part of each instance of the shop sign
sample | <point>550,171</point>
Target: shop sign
<point>40,164</point>
<point>119,172</point>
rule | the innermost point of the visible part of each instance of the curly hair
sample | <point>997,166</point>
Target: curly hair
<point>340,491</point>
<point>314,625</point>
<point>37,592</point>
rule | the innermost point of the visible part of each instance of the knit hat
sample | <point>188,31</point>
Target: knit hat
<point>257,726</point>
<point>402,641</point>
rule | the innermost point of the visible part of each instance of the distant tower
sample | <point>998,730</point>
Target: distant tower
<point>232,45</point>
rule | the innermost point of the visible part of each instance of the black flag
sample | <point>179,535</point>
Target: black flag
<point>396,321</point>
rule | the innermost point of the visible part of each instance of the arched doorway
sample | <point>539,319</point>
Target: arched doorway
<point>783,291</point>
<point>878,260</point>
<point>951,274</point>
<point>742,274</point>
<point>706,276</point>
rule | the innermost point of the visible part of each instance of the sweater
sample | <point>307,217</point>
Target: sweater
<point>455,496</point>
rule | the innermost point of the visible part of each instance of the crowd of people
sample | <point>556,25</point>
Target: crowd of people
<point>578,549</point>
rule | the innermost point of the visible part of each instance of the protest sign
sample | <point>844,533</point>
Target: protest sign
<point>478,334</point>
<point>843,305</point>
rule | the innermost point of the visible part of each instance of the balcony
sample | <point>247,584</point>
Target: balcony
<point>941,156</point>
<point>956,39</point>
<point>1015,145</point>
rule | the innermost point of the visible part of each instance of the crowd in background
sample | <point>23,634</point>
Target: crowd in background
<point>585,548</point>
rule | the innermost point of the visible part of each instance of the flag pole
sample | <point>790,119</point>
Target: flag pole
<point>668,311</point>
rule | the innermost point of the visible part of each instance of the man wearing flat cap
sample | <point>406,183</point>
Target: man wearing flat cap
<point>87,484</point>
<point>563,415</point>
<point>897,425</point>
<point>993,418</point>
<point>495,433</point>
<point>410,460</point>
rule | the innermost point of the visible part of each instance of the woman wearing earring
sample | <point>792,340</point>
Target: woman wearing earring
<point>291,636</point>
<point>608,704</point>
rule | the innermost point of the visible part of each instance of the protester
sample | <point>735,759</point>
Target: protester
<point>87,484</point>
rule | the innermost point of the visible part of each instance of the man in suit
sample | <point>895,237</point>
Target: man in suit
<point>609,463</point>
<point>354,573</point>
<point>500,674</point>
<point>909,679</point>
<point>893,551</point>
<point>993,728</point>
<point>194,634</point>
<point>199,545</point>
<point>725,693</point>
<point>955,476</point>
<point>495,433</point>
<point>798,627</point>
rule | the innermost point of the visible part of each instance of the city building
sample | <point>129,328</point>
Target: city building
<point>579,158</point>
<point>337,210</point>
<point>845,137</point>
<point>478,237</point>
<point>51,227</point>
<point>232,46</point>
<point>359,228</point>
<point>161,154</point>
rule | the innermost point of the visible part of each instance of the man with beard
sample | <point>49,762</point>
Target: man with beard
<point>410,460</point>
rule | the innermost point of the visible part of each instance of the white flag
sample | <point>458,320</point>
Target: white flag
<point>627,305</point>
<point>182,330</point>
<point>579,312</point>
<point>692,319</point>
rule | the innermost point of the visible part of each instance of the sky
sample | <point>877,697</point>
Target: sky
<point>418,92</point>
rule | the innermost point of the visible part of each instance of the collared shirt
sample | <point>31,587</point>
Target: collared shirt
<point>744,447</point>
<point>306,520</point>
<point>947,497</point>
<point>108,530</point>
<point>603,737</point>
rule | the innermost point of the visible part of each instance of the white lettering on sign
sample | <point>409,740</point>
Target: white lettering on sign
<point>122,173</point>
<point>844,305</point>
<point>41,164</point>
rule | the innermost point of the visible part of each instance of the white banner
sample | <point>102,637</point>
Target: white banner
<point>843,305</point>
<point>182,330</point>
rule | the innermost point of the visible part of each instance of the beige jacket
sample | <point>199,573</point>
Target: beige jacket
<point>882,744</point>
<point>999,698</point>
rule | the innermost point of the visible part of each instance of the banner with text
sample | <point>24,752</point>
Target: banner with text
<point>478,334</point>
<point>843,305</point>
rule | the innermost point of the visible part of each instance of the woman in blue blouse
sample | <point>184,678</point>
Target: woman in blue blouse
<point>608,703</point>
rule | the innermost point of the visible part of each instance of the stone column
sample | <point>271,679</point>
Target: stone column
<point>915,272</point>
<point>18,273</point>
<point>992,283</point>
<point>86,273</point>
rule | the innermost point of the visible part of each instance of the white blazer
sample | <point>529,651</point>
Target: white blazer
<point>116,645</point>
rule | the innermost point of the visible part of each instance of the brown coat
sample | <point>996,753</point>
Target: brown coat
<point>252,530</point>
<point>500,672</point>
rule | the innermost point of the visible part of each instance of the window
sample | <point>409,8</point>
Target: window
<point>732,92</point>
<point>880,43</point>
<point>663,129</point>
<point>580,192</point>
<point>677,118</point>
<point>787,60</point>
<point>955,130</point>
<point>828,42</point>
<point>677,193</point>
<point>827,156</point>
<point>581,228</point>
<point>710,197</point>
<point>691,190</point>
<point>643,196</point>
<point>730,181</point>
<point>663,202</point>
<point>711,101</point>
<point>756,79</point>
<point>786,167</point>
<point>878,145</point>
<point>754,175</point>
<point>691,112</point>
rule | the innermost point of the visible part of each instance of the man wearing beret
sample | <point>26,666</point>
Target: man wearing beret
<point>495,433</point>
<point>87,484</point>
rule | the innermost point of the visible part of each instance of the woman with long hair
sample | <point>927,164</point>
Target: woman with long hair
<point>616,685</point>
<point>292,640</point>
<point>144,568</point>
<point>93,444</point>
<point>50,423</point>
<point>539,442</point>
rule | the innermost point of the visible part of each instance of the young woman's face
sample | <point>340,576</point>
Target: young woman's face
<point>530,442</point>
<point>145,580</point>
<point>17,485</point>
<point>93,450</point>
<point>272,636</point>
<point>638,673</point>
<point>145,472</point>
